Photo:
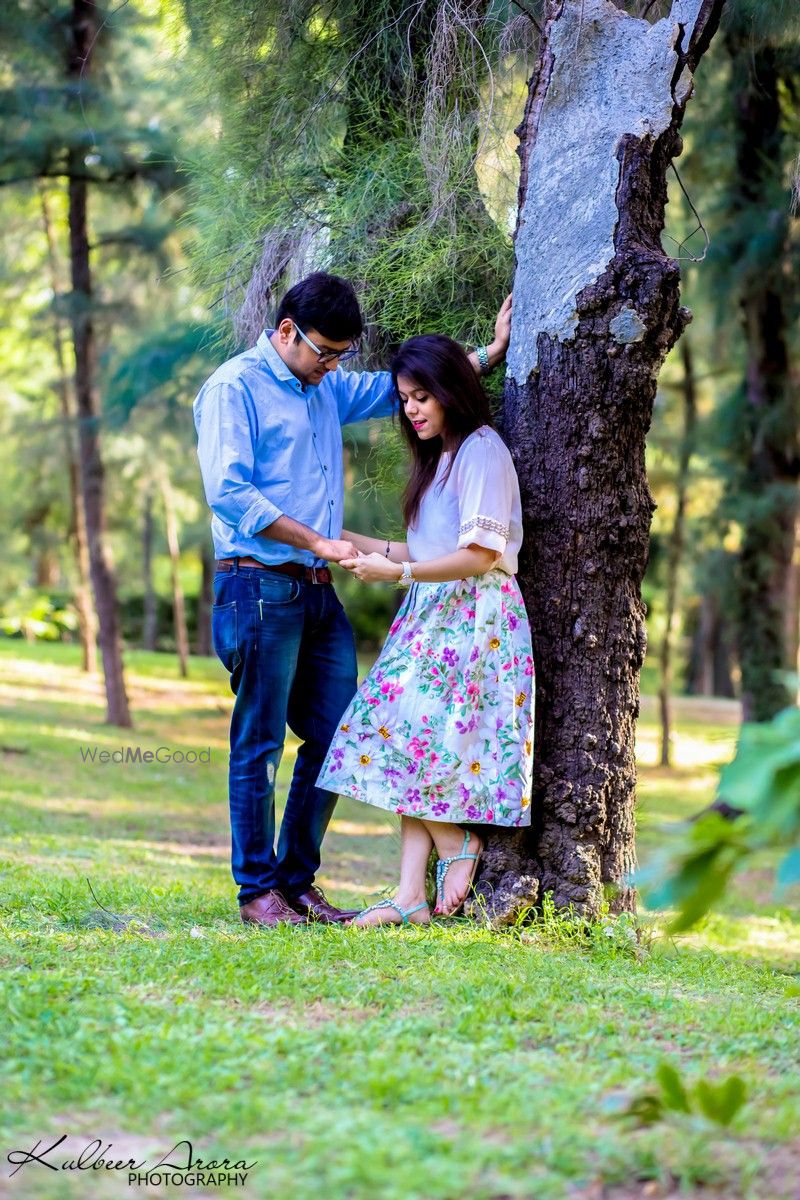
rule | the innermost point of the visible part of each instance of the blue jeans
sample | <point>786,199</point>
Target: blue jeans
<point>292,659</point>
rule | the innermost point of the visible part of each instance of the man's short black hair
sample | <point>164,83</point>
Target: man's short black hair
<point>326,303</point>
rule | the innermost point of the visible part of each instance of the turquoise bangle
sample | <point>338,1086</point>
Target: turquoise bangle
<point>482,353</point>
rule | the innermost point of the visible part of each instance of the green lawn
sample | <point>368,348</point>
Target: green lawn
<point>436,1064</point>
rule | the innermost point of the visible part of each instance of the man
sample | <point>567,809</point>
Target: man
<point>270,450</point>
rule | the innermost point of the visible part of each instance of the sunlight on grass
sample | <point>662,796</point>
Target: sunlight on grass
<point>390,1063</point>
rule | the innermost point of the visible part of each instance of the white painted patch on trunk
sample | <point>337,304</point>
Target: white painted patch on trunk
<point>627,326</point>
<point>612,76</point>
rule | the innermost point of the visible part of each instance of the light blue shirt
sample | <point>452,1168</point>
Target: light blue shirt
<point>270,446</point>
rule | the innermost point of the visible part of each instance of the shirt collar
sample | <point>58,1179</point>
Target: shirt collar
<point>275,362</point>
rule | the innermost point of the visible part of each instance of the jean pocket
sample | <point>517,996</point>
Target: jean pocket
<point>278,589</point>
<point>225,634</point>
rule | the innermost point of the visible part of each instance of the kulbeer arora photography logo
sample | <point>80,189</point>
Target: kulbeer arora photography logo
<point>96,756</point>
<point>179,1167</point>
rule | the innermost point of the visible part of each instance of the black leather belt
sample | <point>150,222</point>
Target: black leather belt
<point>296,570</point>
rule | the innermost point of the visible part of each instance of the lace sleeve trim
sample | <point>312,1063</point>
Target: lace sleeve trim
<point>484,523</point>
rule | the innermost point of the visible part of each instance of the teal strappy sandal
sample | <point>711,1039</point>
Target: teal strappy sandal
<point>444,864</point>
<point>405,914</point>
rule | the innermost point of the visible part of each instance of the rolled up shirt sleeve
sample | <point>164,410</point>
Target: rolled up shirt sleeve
<point>226,436</point>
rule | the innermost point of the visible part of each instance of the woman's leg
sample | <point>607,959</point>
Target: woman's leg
<point>415,849</point>
<point>448,840</point>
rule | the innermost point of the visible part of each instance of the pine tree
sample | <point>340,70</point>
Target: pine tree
<point>66,121</point>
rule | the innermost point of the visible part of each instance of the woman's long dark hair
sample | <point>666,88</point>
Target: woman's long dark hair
<point>441,368</point>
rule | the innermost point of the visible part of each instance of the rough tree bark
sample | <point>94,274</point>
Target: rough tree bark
<point>82,32</point>
<point>87,618</point>
<point>676,539</point>
<point>596,308</point>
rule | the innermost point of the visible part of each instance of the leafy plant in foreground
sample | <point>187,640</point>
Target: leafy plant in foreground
<point>763,783</point>
<point>717,1102</point>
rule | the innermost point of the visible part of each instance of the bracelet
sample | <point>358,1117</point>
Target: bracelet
<point>482,354</point>
<point>407,578</point>
<point>386,551</point>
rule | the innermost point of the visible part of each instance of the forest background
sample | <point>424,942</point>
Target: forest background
<point>206,199</point>
<point>167,168</point>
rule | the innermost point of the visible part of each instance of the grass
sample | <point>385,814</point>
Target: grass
<point>423,1064</point>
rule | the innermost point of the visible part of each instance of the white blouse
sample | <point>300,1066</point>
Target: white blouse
<point>478,505</point>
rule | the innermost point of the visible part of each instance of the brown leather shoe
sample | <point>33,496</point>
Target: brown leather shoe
<point>315,907</point>
<point>270,909</point>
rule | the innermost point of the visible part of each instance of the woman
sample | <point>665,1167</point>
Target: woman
<point>440,731</point>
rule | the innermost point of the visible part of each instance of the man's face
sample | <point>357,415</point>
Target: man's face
<point>299,357</point>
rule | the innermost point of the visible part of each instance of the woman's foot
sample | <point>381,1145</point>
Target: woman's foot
<point>455,873</point>
<point>392,912</point>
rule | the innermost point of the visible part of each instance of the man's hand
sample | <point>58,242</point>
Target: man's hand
<point>372,568</point>
<point>334,551</point>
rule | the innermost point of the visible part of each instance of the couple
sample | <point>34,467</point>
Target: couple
<point>440,731</point>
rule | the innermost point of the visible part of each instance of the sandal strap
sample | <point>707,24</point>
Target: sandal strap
<point>405,913</point>
<point>444,863</point>
<point>381,904</point>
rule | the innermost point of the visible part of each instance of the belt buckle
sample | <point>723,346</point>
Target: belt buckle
<point>314,574</point>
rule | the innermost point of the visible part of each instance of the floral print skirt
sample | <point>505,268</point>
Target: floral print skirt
<point>442,727</point>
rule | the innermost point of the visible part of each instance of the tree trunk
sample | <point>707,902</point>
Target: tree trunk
<point>793,612</point>
<point>87,618</point>
<point>150,619</point>
<point>206,599</point>
<point>768,497</point>
<point>82,34</point>
<point>676,548</point>
<point>596,308</point>
<point>178,605</point>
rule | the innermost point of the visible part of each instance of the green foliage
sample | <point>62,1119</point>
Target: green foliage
<point>36,616</point>
<point>716,1102</point>
<point>763,780</point>
<point>52,124</point>
<point>348,140</point>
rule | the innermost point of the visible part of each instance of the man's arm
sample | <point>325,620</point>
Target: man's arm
<point>225,451</point>
<point>364,394</point>
<point>224,421</point>
<point>294,533</point>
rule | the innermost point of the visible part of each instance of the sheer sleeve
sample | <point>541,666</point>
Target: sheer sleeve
<point>485,493</point>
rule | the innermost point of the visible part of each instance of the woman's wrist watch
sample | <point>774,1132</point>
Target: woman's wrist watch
<point>407,577</point>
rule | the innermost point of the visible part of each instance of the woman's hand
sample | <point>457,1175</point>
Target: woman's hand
<point>502,328</point>
<point>372,568</point>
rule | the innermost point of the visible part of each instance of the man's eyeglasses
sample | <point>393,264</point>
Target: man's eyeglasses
<point>326,356</point>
